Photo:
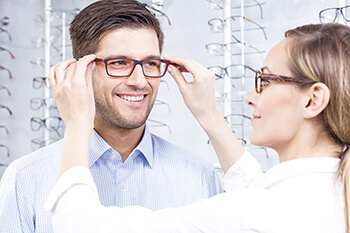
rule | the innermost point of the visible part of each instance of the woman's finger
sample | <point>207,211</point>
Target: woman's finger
<point>81,69</point>
<point>178,77</point>
<point>60,70</point>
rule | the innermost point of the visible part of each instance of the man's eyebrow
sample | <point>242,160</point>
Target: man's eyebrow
<point>129,57</point>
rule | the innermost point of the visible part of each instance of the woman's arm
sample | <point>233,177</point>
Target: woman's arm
<point>199,96</point>
<point>75,100</point>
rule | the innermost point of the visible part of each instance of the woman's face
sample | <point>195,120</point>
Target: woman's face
<point>277,110</point>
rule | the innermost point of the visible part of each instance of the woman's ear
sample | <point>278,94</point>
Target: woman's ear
<point>317,99</point>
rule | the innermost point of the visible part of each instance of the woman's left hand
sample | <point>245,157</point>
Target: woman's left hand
<point>199,94</point>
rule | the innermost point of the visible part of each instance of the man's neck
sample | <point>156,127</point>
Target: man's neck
<point>122,140</point>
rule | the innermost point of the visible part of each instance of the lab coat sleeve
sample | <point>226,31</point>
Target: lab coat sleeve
<point>243,173</point>
<point>75,207</point>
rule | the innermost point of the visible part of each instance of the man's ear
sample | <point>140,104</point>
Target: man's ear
<point>317,99</point>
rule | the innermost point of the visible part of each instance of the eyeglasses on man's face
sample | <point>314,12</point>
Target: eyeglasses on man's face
<point>262,80</point>
<point>123,67</point>
<point>331,15</point>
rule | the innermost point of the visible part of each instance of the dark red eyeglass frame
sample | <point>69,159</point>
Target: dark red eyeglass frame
<point>105,61</point>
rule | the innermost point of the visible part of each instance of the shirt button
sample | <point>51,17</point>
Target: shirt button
<point>122,185</point>
<point>113,157</point>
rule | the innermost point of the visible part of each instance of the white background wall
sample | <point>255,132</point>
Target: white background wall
<point>187,36</point>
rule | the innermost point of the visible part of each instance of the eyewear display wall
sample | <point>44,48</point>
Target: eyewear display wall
<point>187,35</point>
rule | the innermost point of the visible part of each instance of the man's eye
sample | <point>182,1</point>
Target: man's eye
<point>153,63</point>
<point>119,63</point>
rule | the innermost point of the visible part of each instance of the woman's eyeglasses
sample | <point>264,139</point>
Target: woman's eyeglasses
<point>262,79</point>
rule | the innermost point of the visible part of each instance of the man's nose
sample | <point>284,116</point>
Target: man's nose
<point>137,78</point>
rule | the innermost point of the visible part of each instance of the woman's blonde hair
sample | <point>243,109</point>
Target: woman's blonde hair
<point>321,53</point>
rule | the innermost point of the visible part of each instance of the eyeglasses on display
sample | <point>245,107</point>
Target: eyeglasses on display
<point>39,82</point>
<point>51,123</point>
<point>123,67</point>
<point>234,71</point>
<point>5,128</point>
<point>8,71</point>
<point>158,11</point>
<point>331,15</point>
<point>218,25</point>
<point>8,51</point>
<point>159,102</point>
<point>6,148</point>
<point>6,89</point>
<point>218,49</point>
<point>7,108</point>
<point>38,143</point>
<point>154,123</point>
<point>37,103</point>
<point>254,4</point>
<point>219,5</point>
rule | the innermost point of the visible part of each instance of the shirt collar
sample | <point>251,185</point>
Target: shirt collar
<point>146,147</point>
<point>98,146</point>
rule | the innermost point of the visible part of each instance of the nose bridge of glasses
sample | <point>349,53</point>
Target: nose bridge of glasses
<point>137,76</point>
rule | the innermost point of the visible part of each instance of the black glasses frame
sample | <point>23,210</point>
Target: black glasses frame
<point>136,62</point>
<point>7,108</point>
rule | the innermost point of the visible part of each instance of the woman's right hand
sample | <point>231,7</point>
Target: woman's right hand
<point>73,93</point>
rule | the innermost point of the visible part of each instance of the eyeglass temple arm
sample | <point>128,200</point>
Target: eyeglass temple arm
<point>7,108</point>
<point>4,127</point>
<point>5,88</point>
<point>160,12</point>
<point>8,34</point>
<point>8,150</point>
<point>11,54</point>
<point>8,71</point>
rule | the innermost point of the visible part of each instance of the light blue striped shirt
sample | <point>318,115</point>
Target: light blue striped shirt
<point>156,175</point>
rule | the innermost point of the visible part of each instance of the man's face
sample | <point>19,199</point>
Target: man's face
<point>125,102</point>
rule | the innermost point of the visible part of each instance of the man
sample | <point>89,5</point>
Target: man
<point>130,165</point>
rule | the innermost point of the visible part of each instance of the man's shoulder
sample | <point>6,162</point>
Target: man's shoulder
<point>168,150</point>
<point>40,159</point>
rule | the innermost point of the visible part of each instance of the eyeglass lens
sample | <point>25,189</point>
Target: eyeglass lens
<point>258,87</point>
<point>124,67</point>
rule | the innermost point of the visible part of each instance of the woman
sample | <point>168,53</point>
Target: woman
<point>301,108</point>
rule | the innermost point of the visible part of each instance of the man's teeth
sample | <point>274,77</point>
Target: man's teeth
<point>132,98</point>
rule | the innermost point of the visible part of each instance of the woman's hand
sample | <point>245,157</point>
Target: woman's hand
<point>74,97</point>
<point>73,92</point>
<point>199,96</point>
